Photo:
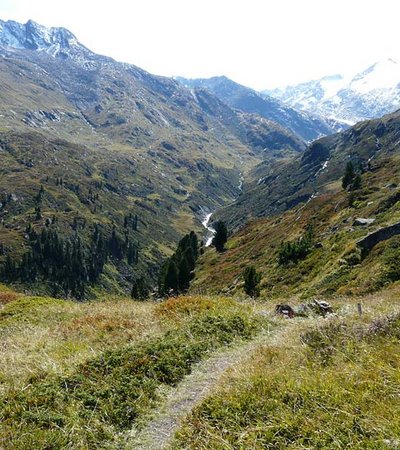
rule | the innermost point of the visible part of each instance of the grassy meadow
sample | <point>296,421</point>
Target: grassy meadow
<point>321,384</point>
<point>79,375</point>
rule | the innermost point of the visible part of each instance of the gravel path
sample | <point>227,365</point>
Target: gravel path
<point>160,431</point>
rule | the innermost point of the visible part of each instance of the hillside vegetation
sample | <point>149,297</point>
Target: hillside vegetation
<point>280,186</point>
<point>91,146</point>
<point>324,385</point>
<point>78,375</point>
<point>333,263</point>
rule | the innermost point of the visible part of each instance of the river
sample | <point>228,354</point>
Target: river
<point>210,231</point>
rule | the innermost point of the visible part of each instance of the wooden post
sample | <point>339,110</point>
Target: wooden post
<point>359,309</point>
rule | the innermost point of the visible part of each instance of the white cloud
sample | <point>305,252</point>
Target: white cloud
<point>261,43</point>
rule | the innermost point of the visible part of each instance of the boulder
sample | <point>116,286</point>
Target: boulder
<point>363,222</point>
<point>318,307</point>
<point>285,310</point>
<point>380,235</point>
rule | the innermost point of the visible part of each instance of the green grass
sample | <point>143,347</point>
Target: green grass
<point>87,406</point>
<point>337,387</point>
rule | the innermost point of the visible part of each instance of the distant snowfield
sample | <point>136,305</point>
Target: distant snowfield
<point>348,99</point>
<point>382,75</point>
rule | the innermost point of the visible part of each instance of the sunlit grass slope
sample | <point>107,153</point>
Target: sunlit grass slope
<point>334,265</point>
<point>76,375</point>
<point>324,384</point>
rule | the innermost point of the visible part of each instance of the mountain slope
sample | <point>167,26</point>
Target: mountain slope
<point>245,99</point>
<point>108,142</point>
<point>282,186</point>
<point>365,95</point>
<point>307,192</point>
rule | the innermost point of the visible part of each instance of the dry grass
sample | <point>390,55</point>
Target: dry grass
<point>7,297</point>
<point>338,388</point>
<point>77,375</point>
<point>54,336</point>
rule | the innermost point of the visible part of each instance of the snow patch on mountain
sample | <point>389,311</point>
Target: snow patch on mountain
<point>365,95</point>
<point>382,75</point>
<point>57,42</point>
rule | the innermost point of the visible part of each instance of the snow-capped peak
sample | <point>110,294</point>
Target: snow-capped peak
<point>381,75</point>
<point>370,93</point>
<point>33,36</point>
<point>57,42</point>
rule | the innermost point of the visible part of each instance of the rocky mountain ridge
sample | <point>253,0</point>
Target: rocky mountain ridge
<point>305,125</point>
<point>368,94</point>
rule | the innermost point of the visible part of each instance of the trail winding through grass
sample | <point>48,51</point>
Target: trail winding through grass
<point>159,432</point>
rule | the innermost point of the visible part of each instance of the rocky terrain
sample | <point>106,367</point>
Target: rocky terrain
<point>307,126</point>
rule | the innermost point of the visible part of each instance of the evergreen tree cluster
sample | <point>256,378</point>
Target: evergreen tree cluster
<point>293,251</point>
<point>177,271</point>
<point>221,236</point>
<point>67,265</point>
<point>60,263</point>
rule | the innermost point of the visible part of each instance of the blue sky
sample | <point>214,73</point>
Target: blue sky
<point>260,43</point>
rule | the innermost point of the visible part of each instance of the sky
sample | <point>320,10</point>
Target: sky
<point>259,43</point>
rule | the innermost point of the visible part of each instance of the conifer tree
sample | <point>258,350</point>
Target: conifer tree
<point>349,175</point>
<point>140,289</point>
<point>251,281</point>
<point>171,279</point>
<point>183,275</point>
<point>221,236</point>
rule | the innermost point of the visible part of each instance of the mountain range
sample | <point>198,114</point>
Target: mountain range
<point>101,153</point>
<point>368,94</point>
<point>306,125</point>
<point>125,143</point>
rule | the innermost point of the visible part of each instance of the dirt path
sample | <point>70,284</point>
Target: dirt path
<point>180,401</point>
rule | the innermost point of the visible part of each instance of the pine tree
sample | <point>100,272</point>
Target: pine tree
<point>115,245</point>
<point>221,236</point>
<point>140,289</point>
<point>348,176</point>
<point>183,275</point>
<point>38,213</point>
<point>177,272</point>
<point>9,269</point>
<point>251,281</point>
<point>194,244</point>
<point>356,183</point>
<point>171,279</point>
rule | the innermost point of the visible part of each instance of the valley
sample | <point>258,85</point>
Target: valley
<point>191,263</point>
<point>138,145</point>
